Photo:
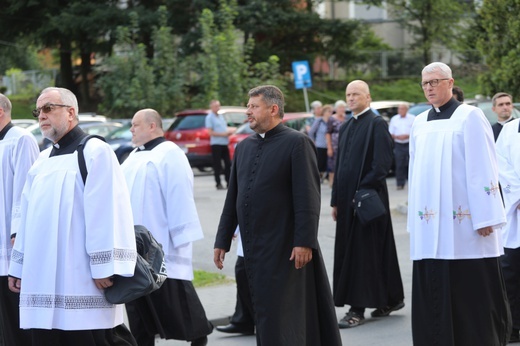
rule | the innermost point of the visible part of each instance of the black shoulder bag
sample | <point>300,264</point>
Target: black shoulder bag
<point>150,269</point>
<point>368,206</point>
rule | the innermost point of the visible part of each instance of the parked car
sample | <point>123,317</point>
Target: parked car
<point>90,124</point>
<point>120,140</point>
<point>418,108</point>
<point>189,132</point>
<point>23,122</point>
<point>294,120</point>
<point>487,106</point>
<point>387,109</point>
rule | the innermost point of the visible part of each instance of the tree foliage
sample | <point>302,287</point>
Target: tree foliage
<point>226,69</point>
<point>432,23</point>
<point>499,44</point>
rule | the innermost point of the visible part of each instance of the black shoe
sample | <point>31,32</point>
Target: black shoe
<point>381,312</point>
<point>233,328</point>
<point>220,187</point>
<point>203,341</point>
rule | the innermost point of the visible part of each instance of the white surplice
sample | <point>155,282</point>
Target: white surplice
<point>160,182</point>
<point>18,151</point>
<point>508,155</point>
<point>70,233</point>
<point>453,187</point>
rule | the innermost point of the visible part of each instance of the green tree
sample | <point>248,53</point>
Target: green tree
<point>226,69</point>
<point>499,45</point>
<point>431,22</point>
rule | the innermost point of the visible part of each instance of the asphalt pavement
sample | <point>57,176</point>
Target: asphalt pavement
<point>219,301</point>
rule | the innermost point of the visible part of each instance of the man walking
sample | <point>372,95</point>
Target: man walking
<point>399,128</point>
<point>274,195</point>
<point>18,151</point>
<point>508,156</point>
<point>160,181</point>
<point>72,235</point>
<point>219,140</point>
<point>455,214</point>
<point>366,269</point>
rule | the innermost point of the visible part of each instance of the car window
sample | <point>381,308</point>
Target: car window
<point>120,133</point>
<point>235,118</point>
<point>296,124</point>
<point>189,122</point>
<point>418,109</point>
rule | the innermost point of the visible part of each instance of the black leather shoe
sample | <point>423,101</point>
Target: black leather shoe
<point>233,328</point>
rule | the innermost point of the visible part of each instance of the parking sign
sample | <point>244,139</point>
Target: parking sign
<point>302,74</point>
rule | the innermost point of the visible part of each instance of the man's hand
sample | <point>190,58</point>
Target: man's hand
<point>334,213</point>
<point>301,255</point>
<point>14,284</point>
<point>104,283</point>
<point>485,231</point>
<point>218,257</point>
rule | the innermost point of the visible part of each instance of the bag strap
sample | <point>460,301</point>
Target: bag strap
<point>81,156</point>
<point>365,150</point>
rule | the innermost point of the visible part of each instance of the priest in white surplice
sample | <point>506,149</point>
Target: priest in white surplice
<point>508,154</point>
<point>160,181</point>
<point>18,151</point>
<point>71,237</point>
<point>455,215</point>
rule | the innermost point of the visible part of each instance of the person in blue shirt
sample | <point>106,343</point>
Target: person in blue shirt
<point>219,140</point>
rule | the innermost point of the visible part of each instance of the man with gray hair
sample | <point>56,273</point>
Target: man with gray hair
<point>274,195</point>
<point>455,216</point>
<point>18,151</point>
<point>72,235</point>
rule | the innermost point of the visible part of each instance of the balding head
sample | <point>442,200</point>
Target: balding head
<point>146,125</point>
<point>358,96</point>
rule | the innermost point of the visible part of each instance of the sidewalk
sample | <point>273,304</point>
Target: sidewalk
<point>395,330</point>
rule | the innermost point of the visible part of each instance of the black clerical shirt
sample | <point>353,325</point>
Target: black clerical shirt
<point>445,111</point>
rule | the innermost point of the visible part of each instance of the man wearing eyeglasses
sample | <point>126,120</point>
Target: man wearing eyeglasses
<point>503,108</point>
<point>18,151</point>
<point>455,215</point>
<point>72,235</point>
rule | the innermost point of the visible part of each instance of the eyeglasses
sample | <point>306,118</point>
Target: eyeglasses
<point>46,108</point>
<point>433,83</point>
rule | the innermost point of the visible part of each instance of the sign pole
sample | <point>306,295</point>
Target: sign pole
<point>306,100</point>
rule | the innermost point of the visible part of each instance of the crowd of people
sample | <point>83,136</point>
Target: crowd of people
<point>64,237</point>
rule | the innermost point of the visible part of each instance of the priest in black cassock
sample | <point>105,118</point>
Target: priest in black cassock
<point>274,195</point>
<point>366,270</point>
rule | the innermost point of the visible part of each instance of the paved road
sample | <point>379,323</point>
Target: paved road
<point>219,301</point>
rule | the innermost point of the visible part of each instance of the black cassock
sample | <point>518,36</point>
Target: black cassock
<point>274,195</point>
<point>366,270</point>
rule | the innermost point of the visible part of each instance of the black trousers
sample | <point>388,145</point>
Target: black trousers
<point>511,268</point>
<point>220,155</point>
<point>117,336</point>
<point>402,157</point>
<point>174,311</point>
<point>459,303</point>
<point>10,331</point>
<point>244,315</point>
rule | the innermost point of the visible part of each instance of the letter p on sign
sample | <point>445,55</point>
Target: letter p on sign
<point>302,74</point>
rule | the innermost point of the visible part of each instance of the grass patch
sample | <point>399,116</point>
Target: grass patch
<point>204,279</point>
<point>22,108</point>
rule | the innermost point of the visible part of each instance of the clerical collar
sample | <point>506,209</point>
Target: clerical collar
<point>5,129</point>
<point>68,143</point>
<point>151,144</point>
<point>356,116</point>
<point>272,131</point>
<point>500,122</point>
<point>445,111</point>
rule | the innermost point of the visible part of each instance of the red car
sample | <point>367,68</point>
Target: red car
<point>294,120</point>
<point>189,132</point>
